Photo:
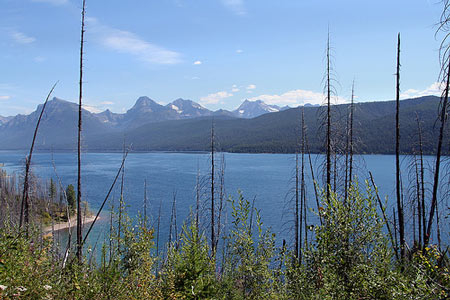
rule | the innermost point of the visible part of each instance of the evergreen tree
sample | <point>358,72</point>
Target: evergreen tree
<point>71,197</point>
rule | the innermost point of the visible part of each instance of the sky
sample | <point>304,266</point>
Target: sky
<point>215,52</point>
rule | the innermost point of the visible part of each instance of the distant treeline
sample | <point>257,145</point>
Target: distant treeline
<point>374,131</point>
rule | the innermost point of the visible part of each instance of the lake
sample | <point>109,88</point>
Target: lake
<point>266,178</point>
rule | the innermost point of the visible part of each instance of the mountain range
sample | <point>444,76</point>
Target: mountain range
<point>146,110</point>
<point>60,117</point>
<point>184,125</point>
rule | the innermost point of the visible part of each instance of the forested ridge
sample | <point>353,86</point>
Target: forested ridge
<point>277,132</point>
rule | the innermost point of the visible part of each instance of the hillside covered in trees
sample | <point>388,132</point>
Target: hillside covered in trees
<point>278,132</point>
<point>272,132</point>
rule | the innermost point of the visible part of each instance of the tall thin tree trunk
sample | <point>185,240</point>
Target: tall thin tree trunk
<point>420,187</point>
<point>173,221</point>
<point>397,157</point>
<point>79,220</point>
<point>24,211</point>
<point>297,211</point>
<point>334,171</point>
<point>438,227</point>
<point>145,203</point>
<point>316,193</point>
<point>213,235</point>
<point>221,198</point>
<point>438,158</point>
<point>303,189</point>
<point>383,211</point>
<point>157,229</point>
<point>347,150</point>
<point>197,201</point>
<point>419,208</point>
<point>422,184</point>
<point>300,224</point>
<point>328,183</point>
<point>122,166</point>
<point>119,229</point>
<point>352,110</point>
<point>395,233</point>
<point>111,213</point>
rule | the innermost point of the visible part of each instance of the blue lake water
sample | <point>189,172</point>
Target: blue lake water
<point>267,178</point>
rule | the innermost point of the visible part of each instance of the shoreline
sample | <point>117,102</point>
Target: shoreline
<point>65,225</point>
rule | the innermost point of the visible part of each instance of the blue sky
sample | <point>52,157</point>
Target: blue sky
<point>215,52</point>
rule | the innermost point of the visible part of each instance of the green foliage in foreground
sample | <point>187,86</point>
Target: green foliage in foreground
<point>349,257</point>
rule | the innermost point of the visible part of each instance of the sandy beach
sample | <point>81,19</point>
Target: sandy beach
<point>65,225</point>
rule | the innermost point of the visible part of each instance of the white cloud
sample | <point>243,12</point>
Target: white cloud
<point>296,98</point>
<point>197,62</point>
<point>235,88</point>
<point>5,97</point>
<point>239,51</point>
<point>215,98</point>
<point>251,87</point>
<point>22,38</point>
<point>54,2</point>
<point>236,6</point>
<point>130,43</point>
<point>434,89</point>
<point>107,103</point>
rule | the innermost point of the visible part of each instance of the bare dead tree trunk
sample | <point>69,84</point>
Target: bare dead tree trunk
<point>443,118</point>
<point>419,208</point>
<point>145,203</point>
<point>303,189</point>
<point>119,229</point>
<point>395,232</point>
<point>334,171</point>
<point>297,211</point>
<point>111,219</point>
<point>69,237</point>
<point>352,110</point>
<point>299,222</point>
<point>438,227</point>
<point>383,211</point>
<point>328,183</point>
<point>79,220</point>
<point>316,193</point>
<point>173,221</point>
<point>157,230</point>
<point>24,211</point>
<point>122,166</point>
<point>197,201</point>
<point>397,157</point>
<point>347,150</point>
<point>221,198</point>
<point>213,235</point>
<point>422,183</point>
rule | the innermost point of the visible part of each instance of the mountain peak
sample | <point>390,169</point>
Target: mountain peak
<point>251,109</point>
<point>57,105</point>
<point>145,104</point>
<point>188,108</point>
<point>56,100</point>
<point>144,101</point>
